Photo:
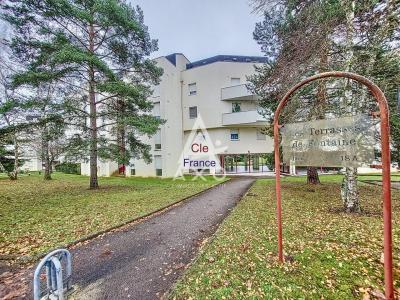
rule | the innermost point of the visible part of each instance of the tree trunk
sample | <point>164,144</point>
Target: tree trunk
<point>45,155</point>
<point>47,170</point>
<point>93,117</point>
<point>14,174</point>
<point>47,165</point>
<point>312,175</point>
<point>350,191</point>
<point>122,147</point>
<point>121,133</point>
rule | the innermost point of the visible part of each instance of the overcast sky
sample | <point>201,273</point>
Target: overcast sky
<point>201,28</point>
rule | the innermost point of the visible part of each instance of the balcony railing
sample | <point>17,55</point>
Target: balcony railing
<point>251,118</point>
<point>237,92</point>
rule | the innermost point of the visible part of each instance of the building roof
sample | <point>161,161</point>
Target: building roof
<point>228,58</point>
<point>172,58</point>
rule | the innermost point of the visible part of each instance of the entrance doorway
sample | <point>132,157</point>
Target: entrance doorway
<point>245,163</point>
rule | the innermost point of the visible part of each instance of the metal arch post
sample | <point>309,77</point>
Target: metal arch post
<point>58,280</point>
<point>385,147</point>
<point>68,268</point>
<point>54,279</point>
<point>278,190</point>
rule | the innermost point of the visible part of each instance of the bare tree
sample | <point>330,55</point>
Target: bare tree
<point>10,117</point>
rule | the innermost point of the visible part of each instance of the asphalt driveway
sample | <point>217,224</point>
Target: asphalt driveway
<point>142,261</point>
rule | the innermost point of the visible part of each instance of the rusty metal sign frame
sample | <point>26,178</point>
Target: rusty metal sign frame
<point>385,147</point>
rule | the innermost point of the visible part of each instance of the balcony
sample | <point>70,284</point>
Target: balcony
<point>237,92</point>
<point>244,118</point>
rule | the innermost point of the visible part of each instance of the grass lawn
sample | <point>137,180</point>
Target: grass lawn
<point>38,215</point>
<point>331,255</point>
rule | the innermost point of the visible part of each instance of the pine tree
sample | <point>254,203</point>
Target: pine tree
<point>285,36</point>
<point>98,50</point>
<point>309,37</point>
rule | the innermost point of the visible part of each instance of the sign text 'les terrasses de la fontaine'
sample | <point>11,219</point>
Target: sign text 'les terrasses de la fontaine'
<point>342,142</point>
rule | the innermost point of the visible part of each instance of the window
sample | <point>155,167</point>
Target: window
<point>158,164</point>
<point>192,89</point>
<point>193,112</point>
<point>157,140</point>
<point>261,135</point>
<point>156,109</point>
<point>156,91</point>
<point>234,134</point>
<point>236,107</point>
<point>235,81</point>
<point>133,172</point>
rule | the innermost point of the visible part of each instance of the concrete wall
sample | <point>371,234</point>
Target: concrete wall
<point>168,94</point>
<point>248,141</point>
<point>104,168</point>
<point>210,79</point>
<point>31,164</point>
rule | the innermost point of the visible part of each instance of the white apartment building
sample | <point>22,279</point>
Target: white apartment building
<point>211,92</point>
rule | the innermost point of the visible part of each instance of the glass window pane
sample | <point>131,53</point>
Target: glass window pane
<point>236,107</point>
<point>235,81</point>
<point>192,89</point>
<point>156,109</point>
<point>193,112</point>
<point>158,161</point>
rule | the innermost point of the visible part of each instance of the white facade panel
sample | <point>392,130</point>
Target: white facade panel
<point>237,92</point>
<point>247,142</point>
<point>104,168</point>
<point>251,117</point>
<point>31,164</point>
<point>189,93</point>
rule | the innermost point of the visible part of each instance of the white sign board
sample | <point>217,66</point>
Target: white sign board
<point>342,142</point>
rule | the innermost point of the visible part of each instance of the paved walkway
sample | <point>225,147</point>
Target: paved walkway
<point>143,260</point>
<point>394,184</point>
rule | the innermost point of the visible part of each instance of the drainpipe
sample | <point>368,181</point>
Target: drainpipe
<point>181,100</point>
<point>249,160</point>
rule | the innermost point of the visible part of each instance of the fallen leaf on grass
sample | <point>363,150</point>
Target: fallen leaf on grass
<point>378,294</point>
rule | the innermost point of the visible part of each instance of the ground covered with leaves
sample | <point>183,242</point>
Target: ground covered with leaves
<point>330,254</point>
<point>38,215</point>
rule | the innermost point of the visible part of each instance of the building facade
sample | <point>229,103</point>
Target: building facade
<point>208,97</point>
